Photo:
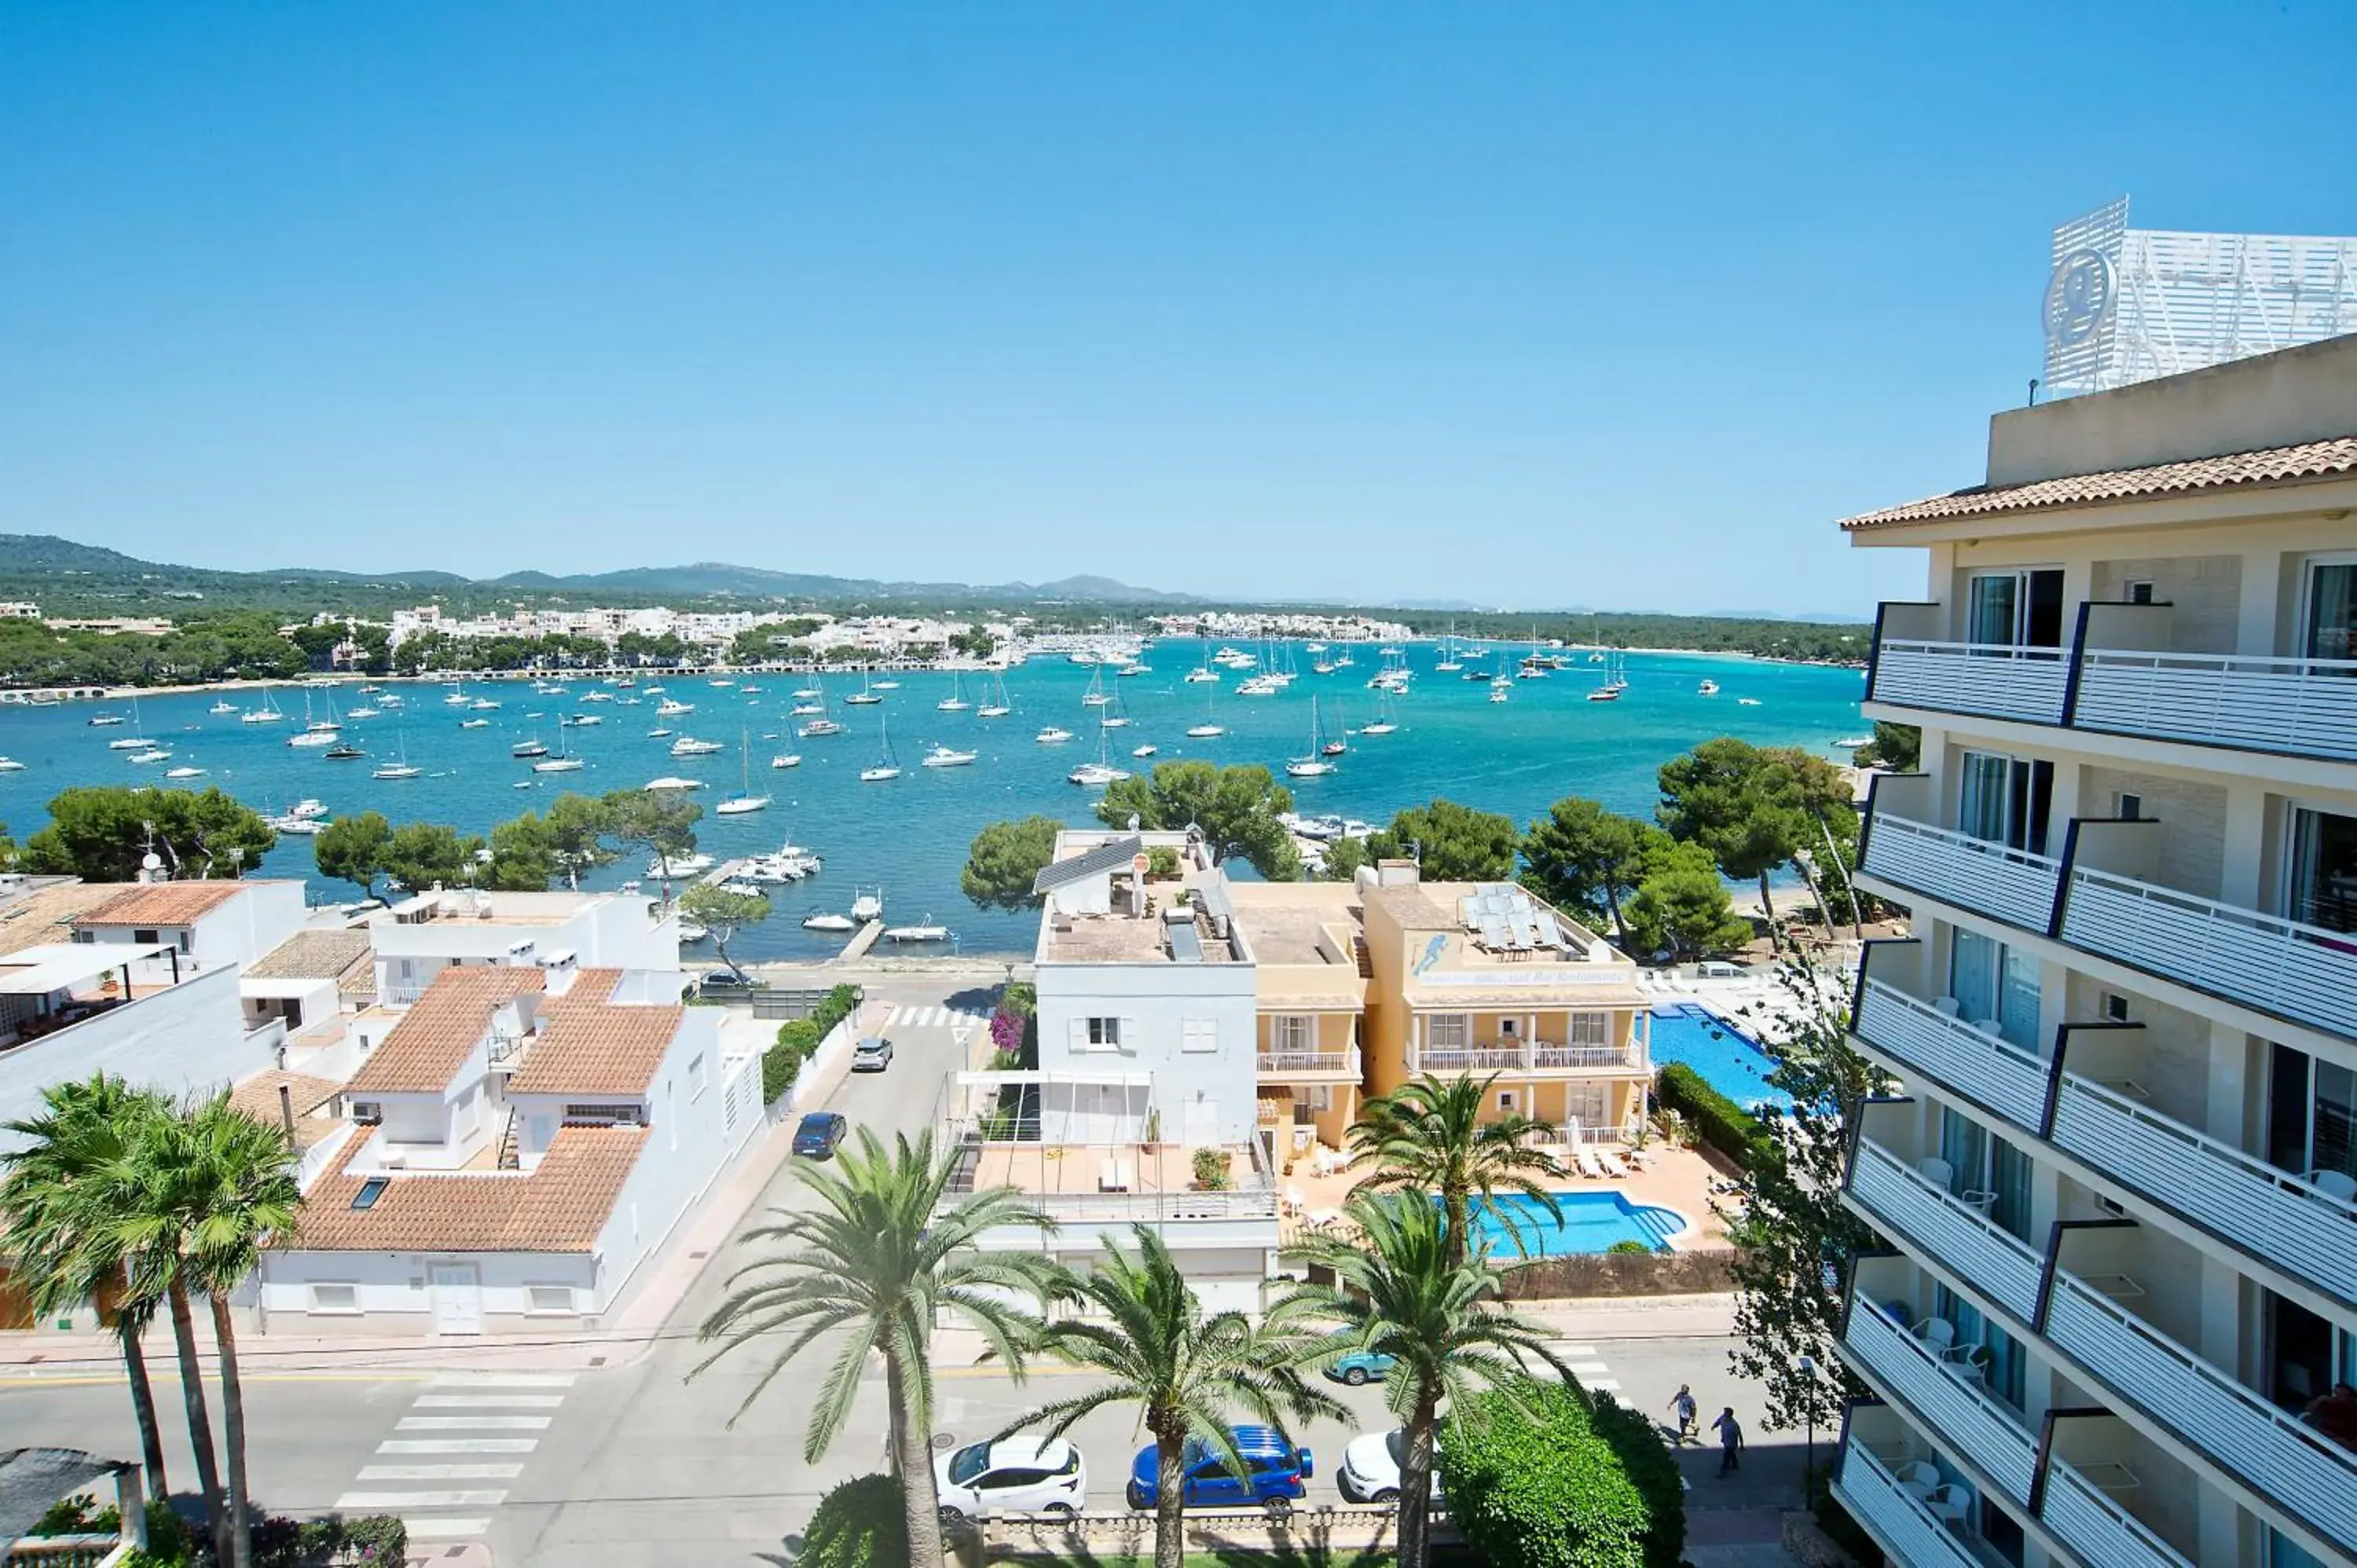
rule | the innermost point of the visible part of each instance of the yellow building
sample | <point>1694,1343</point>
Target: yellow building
<point>1311,990</point>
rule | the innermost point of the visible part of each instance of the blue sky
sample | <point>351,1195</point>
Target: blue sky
<point>1534,304</point>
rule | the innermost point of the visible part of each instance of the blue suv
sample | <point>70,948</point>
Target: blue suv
<point>1274,1469</point>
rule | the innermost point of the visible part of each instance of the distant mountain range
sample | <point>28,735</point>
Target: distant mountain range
<point>29,562</point>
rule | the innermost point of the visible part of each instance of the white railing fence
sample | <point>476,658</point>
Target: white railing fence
<point>2007,884</point>
<point>2304,707</point>
<point>2001,679</point>
<point>1968,1418</point>
<point>2098,1529</point>
<point>1990,1070</point>
<point>1876,1499</point>
<point>2001,1266</point>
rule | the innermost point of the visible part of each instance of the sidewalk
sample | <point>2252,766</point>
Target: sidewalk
<point>1634,1317</point>
<point>647,1303</point>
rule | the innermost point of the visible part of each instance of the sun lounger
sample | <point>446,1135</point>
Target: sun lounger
<point>1319,1218</point>
<point>1293,1201</point>
<point>1589,1165</point>
<point>1613,1166</point>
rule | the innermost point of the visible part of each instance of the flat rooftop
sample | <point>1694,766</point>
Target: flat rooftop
<point>1124,938</point>
<point>1286,922</point>
<point>486,908</point>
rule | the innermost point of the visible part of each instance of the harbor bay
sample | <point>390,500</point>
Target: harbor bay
<point>905,839</point>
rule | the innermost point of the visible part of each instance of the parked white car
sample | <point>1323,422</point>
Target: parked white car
<point>1371,1467</point>
<point>1015,1474</point>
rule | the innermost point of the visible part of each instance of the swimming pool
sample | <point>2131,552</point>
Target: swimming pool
<point>1728,1060</point>
<point>1592,1221</point>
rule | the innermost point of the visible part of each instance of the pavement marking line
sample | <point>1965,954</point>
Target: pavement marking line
<point>457,1446</point>
<point>1582,1350</point>
<point>1578,1370</point>
<point>504,1380</point>
<point>440,1472</point>
<point>1607,1385</point>
<point>443,1529</point>
<point>472,1424</point>
<point>489,1402</point>
<point>171,1375</point>
<point>389,1502</point>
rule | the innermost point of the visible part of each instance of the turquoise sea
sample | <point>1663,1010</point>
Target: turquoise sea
<point>908,836</point>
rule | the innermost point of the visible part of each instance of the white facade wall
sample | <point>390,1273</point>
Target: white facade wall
<point>1192,1027</point>
<point>188,1039</point>
<point>393,1292</point>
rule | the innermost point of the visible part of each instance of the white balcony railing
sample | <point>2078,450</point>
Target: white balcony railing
<point>1281,1063</point>
<point>1479,1059</point>
<point>2244,1433</point>
<point>2000,680</point>
<point>2097,1528</point>
<point>1967,1420</point>
<point>1876,1500</point>
<point>1991,1070</point>
<point>1979,1250</point>
<point>2271,1213</point>
<point>1545,1056</point>
<point>1537,1056</point>
<point>2288,968</point>
<point>2300,707</point>
<point>1994,879</point>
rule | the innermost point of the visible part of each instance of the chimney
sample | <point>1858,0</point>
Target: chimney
<point>1397,872</point>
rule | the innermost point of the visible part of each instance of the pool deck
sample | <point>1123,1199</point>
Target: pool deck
<point>1677,1179</point>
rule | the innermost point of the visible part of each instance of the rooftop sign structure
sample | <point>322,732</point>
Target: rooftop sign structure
<point>2128,305</point>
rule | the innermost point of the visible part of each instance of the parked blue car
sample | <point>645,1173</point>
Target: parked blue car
<point>1275,1470</point>
<point>1360,1367</point>
<point>820,1132</point>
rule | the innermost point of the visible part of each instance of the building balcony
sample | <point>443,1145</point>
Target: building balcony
<point>1912,1369</point>
<point>2295,707</point>
<point>1310,1066</point>
<point>1911,1202</point>
<point>1995,680</point>
<point>1903,848</point>
<point>1531,1057</point>
<point>1928,1041</point>
<point>2144,1372</point>
<point>2275,1216</point>
<point>1900,1517</point>
<point>2282,967</point>
<point>2111,1496</point>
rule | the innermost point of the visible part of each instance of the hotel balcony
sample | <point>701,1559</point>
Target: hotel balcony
<point>1926,1039</point>
<point>1531,1057</point>
<point>1904,849</point>
<point>1915,1200</point>
<point>1894,1485</point>
<point>2112,1497</point>
<point>1310,1066</point>
<point>2121,676</point>
<point>2272,965</point>
<point>1912,1359</point>
<point>2124,1328</point>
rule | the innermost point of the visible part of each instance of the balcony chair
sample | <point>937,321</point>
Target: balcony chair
<point>1951,1505</point>
<point>2338,1184</point>
<point>1969,1362</point>
<point>1938,1334</point>
<point>1948,1006</point>
<point>1938,1171</point>
<point>1918,1477</point>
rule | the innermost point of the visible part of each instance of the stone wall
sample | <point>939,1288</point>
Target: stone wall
<point>1622,1273</point>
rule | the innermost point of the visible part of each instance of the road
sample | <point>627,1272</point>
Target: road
<point>638,1465</point>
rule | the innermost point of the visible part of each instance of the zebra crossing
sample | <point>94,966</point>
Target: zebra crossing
<point>454,1438</point>
<point>1593,1374</point>
<point>937,1016</point>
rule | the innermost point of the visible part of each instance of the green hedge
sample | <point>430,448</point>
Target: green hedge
<point>1718,1121</point>
<point>859,1524</point>
<point>1543,1480</point>
<point>799,1038</point>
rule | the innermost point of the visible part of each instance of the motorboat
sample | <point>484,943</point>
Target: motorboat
<point>482,705</point>
<point>581,721</point>
<point>818,727</point>
<point>1709,688</point>
<point>560,764</point>
<point>948,756</point>
<point>806,709</point>
<point>1145,750</point>
<point>1747,701</point>
<point>787,759</point>
<point>688,745</point>
<point>673,782</point>
<point>309,809</point>
<point>101,721</point>
<point>343,752</point>
<point>720,680</point>
<point>363,712</point>
<point>223,707</point>
<point>868,905</point>
<point>130,742</point>
<point>1199,675</point>
<point>1204,731</point>
<point>689,933</point>
<point>661,732</point>
<point>184,772</point>
<point>923,931</point>
<point>672,708</point>
<point>1052,735</point>
<point>691,864</point>
<point>806,692</point>
<point>474,724</point>
<point>302,827</point>
<point>528,748</point>
<point>829,923</point>
<point>888,685</point>
<point>10,765</point>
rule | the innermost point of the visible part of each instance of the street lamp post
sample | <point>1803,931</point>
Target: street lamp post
<point>1807,1366</point>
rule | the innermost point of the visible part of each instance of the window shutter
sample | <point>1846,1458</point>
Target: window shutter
<point>1078,1029</point>
<point>1131,1036</point>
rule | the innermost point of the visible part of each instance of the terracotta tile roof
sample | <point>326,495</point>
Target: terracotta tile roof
<point>163,904</point>
<point>311,955</point>
<point>46,915</point>
<point>558,1207</point>
<point>586,1046</point>
<point>2275,465</point>
<point>258,1097</point>
<point>421,1052</point>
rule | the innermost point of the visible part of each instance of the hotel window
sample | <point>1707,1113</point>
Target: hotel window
<point>1996,988</point>
<point>2017,610</point>
<point>2329,618</point>
<point>2003,799</point>
<point>336,1298</point>
<point>1098,1034</point>
<point>1199,1035</point>
<point>1591,1029</point>
<point>1293,1032</point>
<point>1318,1097</point>
<point>1587,1104</point>
<point>1506,1099</point>
<point>2137,590</point>
<point>2321,875</point>
<point>548,1298</point>
<point>1447,1031</point>
<point>2311,1114</point>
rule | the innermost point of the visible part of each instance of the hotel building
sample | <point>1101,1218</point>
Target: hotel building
<point>2117,1185</point>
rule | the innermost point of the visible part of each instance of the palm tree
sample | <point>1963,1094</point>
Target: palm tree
<point>1427,1135</point>
<point>213,1186</point>
<point>1398,1293</point>
<point>879,1259</point>
<point>1152,1345</point>
<point>52,1203</point>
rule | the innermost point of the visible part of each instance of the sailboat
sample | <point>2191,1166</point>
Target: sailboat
<point>1314,764</point>
<point>1096,775</point>
<point>561,762</point>
<point>1614,682</point>
<point>1210,728</point>
<point>1450,663</point>
<point>1112,716</point>
<point>744,800</point>
<point>1338,745</point>
<point>1203,671</point>
<point>267,714</point>
<point>531,748</point>
<point>887,767</point>
<point>1384,724</point>
<point>401,769</point>
<point>955,701</point>
<point>819,722</point>
<point>132,742</point>
<point>866,696</point>
<point>996,708</point>
<point>1095,696</point>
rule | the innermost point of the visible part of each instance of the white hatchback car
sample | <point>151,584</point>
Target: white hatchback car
<point>1371,1468</point>
<point>1015,1474</point>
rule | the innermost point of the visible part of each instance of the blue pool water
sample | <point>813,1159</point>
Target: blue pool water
<point>1728,1060</point>
<point>1592,1221</point>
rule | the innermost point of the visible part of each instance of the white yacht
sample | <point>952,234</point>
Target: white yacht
<point>1146,750</point>
<point>1314,764</point>
<point>184,773</point>
<point>679,865</point>
<point>744,802</point>
<point>787,759</point>
<point>829,923</point>
<point>482,705</point>
<point>955,701</point>
<point>819,727</point>
<point>559,764</point>
<point>1709,688</point>
<point>671,707</point>
<point>153,754</point>
<point>886,767</point>
<point>948,756</point>
<point>223,707</point>
<point>994,705</point>
<point>104,721</point>
<point>10,765</point>
<point>1052,735</point>
<point>1096,775</point>
<point>673,782</point>
<point>688,745</point>
<point>474,724</point>
<point>313,738</point>
<point>923,931</point>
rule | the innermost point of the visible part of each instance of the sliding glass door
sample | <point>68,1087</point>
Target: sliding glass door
<point>2015,609</point>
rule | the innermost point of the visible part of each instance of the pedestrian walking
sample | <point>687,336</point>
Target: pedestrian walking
<point>1730,1440</point>
<point>1685,1408</point>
